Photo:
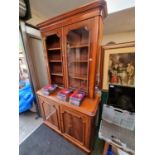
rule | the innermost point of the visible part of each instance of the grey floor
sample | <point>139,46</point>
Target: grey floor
<point>27,124</point>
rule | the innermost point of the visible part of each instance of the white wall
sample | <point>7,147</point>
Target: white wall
<point>119,37</point>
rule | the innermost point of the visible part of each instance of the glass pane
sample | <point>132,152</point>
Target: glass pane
<point>78,55</point>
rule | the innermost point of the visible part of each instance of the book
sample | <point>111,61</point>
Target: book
<point>77,97</point>
<point>64,94</point>
<point>47,90</point>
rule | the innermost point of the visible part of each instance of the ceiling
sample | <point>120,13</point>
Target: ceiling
<point>121,21</point>
<point>117,21</point>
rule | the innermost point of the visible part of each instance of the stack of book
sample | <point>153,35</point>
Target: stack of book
<point>47,90</point>
<point>77,97</point>
<point>64,94</point>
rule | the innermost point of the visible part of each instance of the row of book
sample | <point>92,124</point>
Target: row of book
<point>47,90</point>
<point>74,97</point>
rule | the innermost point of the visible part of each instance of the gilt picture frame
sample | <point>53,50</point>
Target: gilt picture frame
<point>119,65</point>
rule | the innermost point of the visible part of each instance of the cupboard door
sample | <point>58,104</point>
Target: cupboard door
<point>77,51</point>
<point>55,57</point>
<point>50,112</point>
<point>73,125</point>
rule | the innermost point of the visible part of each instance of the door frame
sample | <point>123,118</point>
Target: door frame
<point>25,34</point>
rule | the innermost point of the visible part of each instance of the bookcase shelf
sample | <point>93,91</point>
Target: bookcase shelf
<point>57,74</point>
<point>78,46</point>
<point>55,60</point>
<point>78,77</point>
<point>79,61</point>
<point>54,49</point>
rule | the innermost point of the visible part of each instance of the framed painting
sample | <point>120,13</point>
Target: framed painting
<point>119,65</point>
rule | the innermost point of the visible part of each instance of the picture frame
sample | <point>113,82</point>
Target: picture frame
<point>119,64</point>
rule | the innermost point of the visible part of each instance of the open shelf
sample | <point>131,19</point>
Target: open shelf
<point>55,60</point>
<point>56,79</point>
<point>54,48</point>
<point>57,74</point>
<point>54,55</point>
<point>53,42</point>
<point>56,67</point>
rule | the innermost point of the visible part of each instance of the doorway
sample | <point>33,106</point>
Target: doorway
<point>32,73</point>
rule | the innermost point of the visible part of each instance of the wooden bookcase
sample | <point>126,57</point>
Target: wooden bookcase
<point>72,49</point>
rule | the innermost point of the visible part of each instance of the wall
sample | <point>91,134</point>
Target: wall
<point>119,37</point>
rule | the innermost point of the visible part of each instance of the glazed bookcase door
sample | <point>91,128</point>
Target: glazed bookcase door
<point>55,57</point>
<point>77,50</point>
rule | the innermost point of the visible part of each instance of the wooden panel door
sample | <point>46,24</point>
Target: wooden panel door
<point>50,112</point>
<point>73,125</point>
